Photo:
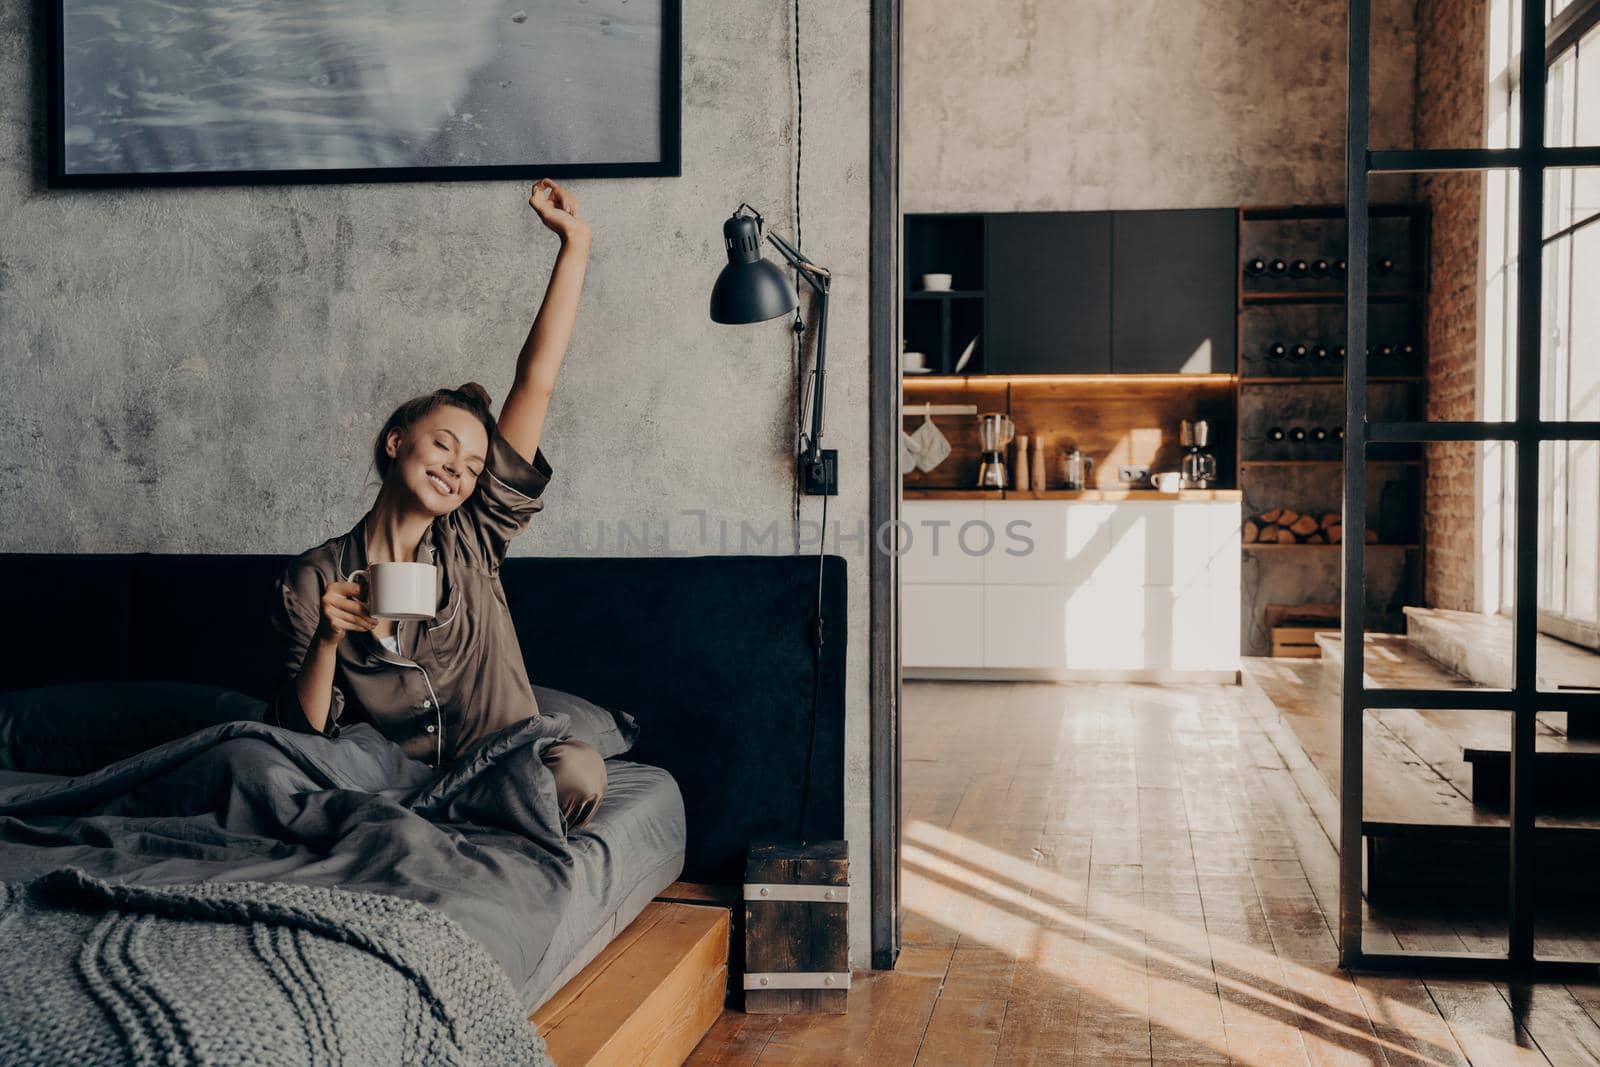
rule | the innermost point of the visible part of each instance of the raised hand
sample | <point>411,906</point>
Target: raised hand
<point>557,208</point>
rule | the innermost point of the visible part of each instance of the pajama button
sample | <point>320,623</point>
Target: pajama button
<point>427,703</point>
<point>430,728</point>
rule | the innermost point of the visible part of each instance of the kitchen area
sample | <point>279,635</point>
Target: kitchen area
<point>1122,434</point>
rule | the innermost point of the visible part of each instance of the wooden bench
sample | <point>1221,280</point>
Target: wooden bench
<point>649,997</point>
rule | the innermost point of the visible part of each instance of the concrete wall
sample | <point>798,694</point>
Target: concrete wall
<point>1452,53</point>
<point>203,370</point>
<point>1037,105</point>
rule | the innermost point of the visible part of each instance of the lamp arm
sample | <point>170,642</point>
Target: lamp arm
<point>797,259</point>
<point>814,445</point>
<point>818,278</point>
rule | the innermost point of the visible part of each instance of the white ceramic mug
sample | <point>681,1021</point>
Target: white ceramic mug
<point>914,360</point>
<point>1167,482</point>
<point>937,283</point>
<point>403,592</point>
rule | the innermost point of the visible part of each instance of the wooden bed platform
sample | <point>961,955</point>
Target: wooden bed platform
<point>649,997</point>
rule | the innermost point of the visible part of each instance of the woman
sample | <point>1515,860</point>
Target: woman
<point>457,487</point>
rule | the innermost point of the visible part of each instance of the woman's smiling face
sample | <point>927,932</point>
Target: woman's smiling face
<point>439,458</point>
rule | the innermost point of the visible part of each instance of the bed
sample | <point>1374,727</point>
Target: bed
<point>626,856</point>
<point>712,654</point>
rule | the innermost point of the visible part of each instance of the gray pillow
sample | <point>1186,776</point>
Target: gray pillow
<point>78,728</point>
<point>611,732</point>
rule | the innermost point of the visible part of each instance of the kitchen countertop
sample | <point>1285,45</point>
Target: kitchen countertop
<point>1104,495</point>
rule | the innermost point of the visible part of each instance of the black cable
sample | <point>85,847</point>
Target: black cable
<point>816,677</point>
<point>797,348</point>
<point>799,127</point>
<point>803,398</point>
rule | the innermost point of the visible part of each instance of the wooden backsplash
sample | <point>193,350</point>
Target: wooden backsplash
<point>1117,422</point>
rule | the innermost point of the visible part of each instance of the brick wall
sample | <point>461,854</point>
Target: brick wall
<point>1451,49</point>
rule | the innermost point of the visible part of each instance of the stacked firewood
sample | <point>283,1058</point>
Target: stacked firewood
<point>1285,526</point>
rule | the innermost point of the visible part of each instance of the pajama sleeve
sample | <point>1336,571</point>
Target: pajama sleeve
<point>505,500</point>
<point>295,615</point>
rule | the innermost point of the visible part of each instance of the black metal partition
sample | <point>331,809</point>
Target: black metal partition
<point>1527,431</point>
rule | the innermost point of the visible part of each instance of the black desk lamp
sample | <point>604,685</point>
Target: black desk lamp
<point>751,289</point>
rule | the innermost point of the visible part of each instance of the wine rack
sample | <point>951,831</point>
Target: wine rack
<point>1290,399</point>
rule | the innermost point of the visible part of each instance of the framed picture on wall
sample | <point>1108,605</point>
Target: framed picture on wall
<point>221,92</point>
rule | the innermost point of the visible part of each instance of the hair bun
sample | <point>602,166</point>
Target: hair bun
<point>476,394</point>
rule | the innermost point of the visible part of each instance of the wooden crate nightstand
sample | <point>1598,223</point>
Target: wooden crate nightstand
<point>796,939</point>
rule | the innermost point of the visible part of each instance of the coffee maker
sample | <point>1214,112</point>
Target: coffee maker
<point>995,431</point>
<point>1199,465</point>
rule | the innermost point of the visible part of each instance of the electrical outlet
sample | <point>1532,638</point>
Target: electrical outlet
<point>823,478</point>
<point>1133,475</point>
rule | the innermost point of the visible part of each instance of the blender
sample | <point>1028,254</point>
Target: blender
<point>995,431</point>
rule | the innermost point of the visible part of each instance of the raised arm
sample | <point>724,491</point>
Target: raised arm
<point>522,416</point>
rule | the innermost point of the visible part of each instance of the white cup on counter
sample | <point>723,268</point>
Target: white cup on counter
<point>914,361</point>
<point>1167,481</point>
<point>938,283</point>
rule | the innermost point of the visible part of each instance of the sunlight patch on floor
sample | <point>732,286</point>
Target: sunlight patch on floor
<point>1135,960</point>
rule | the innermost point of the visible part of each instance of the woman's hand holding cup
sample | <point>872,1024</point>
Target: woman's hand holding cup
<point>344,611</point>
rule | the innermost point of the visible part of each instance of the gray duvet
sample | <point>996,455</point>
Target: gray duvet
<point>481,841</point>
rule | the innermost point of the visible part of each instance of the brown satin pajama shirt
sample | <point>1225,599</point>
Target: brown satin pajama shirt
<point>457,677</point>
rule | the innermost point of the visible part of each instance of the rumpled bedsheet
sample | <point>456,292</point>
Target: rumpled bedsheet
<point>481,841</point>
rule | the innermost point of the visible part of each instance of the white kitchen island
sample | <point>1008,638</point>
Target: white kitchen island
<point>1135,586</point>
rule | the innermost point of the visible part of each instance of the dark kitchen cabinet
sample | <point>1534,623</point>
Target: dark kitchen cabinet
<point>1173,301</point>
<point>1048,285</point>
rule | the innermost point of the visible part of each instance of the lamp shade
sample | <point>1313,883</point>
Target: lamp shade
<point>749,289</point>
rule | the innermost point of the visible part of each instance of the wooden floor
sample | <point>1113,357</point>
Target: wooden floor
<point>1119,874</point>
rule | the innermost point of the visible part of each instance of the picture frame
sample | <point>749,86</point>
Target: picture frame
<point>184,116</point>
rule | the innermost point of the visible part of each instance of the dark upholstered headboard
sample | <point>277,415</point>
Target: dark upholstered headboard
<point>711,654</point>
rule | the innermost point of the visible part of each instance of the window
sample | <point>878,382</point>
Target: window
<point>1569,491</point>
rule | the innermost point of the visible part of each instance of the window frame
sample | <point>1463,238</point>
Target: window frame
<point>1575,27</point>
<point>1531,158</point>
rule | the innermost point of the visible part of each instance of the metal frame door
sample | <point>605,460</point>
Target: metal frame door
<point>1524,701</point>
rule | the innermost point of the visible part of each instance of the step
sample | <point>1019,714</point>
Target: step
<point>1478,647</point>
<point>1394,661</point>
<point>1566,774</point>
<point>1465,642</point>
<point>1420,827</point>
<point>1567,771</point>
<point>649,997</point>
<point>1474,865</point>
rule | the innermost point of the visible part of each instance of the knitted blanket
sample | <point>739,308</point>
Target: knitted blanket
<point>94,973</point>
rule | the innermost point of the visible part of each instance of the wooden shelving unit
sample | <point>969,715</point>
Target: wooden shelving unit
<point>1309,310</point>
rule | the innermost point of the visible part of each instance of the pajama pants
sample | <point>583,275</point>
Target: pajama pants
<point>580,776</point>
